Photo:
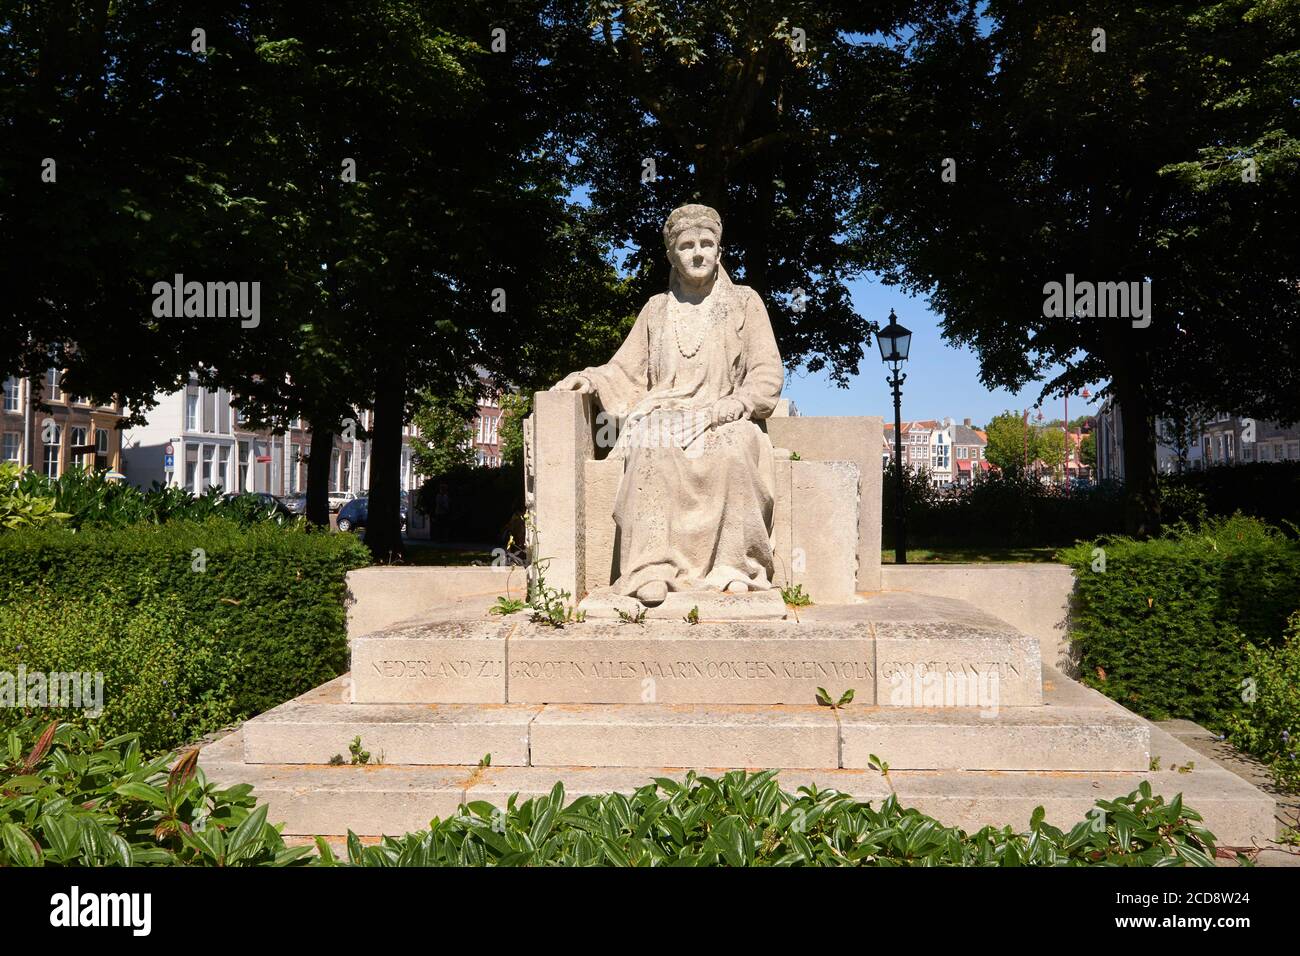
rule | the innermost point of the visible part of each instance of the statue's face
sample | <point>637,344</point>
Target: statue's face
<point>695,254</point>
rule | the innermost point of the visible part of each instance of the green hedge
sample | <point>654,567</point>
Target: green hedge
<point>162,676</point>
<point>1163,628</point>
<point>275,595</point>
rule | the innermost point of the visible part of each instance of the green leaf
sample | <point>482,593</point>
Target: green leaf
<point>247,839</point>
<point>142,791</point>
<point>21,848</point>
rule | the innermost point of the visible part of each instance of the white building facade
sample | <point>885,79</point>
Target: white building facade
<point>210,446</point>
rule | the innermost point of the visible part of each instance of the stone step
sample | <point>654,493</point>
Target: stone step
<point>891,650</point>
<point>390,799</point>
<point>1079,730</point>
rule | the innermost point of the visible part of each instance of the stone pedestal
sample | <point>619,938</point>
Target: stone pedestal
<point>974,729</point>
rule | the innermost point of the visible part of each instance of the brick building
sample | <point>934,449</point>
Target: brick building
<point>69,431</point>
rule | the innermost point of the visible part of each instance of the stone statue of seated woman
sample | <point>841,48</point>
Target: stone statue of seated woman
<point>698,369</point>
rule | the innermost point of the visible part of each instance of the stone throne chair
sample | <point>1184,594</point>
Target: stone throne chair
<point>826,520</point>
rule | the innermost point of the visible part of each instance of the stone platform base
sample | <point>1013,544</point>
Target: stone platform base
<point>898,649</point>
<point>392,798</point>
<point>974,729</point>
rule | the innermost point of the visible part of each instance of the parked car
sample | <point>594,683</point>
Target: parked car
<point>296,503</point>
<point>264,500</point>
<point>339,498</point>
<point>353,515</point>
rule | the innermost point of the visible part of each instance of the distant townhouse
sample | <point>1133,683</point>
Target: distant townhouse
<point>195,438</point>
<point>487,428</point>
<point>949,453</point>
<point>1228,440</point>
<point>969,446</point>
<point>68,432</point>
<point>1223,439</point>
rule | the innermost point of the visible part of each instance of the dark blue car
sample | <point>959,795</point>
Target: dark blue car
<point>353,514</point>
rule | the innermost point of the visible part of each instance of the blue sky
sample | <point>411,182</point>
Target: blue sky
<point>942,381</point>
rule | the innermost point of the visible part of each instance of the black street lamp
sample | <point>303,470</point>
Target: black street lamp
<point>894,341</point>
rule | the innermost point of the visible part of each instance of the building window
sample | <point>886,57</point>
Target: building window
<point>1293,450</point>
<point>345,476</point>
<point>53,443</point>
<point>295,465</point>
<point>191,411</point>
<point>12,443</point>
<point>334,470</point>
<point>11,393</point>
<point>209,455</point>
<point>77,438</point>
<point>54,385</point>
<point>961,452</point>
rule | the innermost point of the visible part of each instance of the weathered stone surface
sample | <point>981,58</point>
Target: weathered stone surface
<point>316,799</point>
<point>463,657</point>
<point>386,596</point>
<point>684,735</point>
<point>305,733</point>
<point>824,529</point>
<point>921,666</point>
<point>1008,738</point>
<point>393,799</point>
<point>600,484</point>
<point>1033,598</point>
<point>710,606</point>
<point>562,444</point>
<point>839,438</point>
<point>441,662</point>
<point>678,663</point>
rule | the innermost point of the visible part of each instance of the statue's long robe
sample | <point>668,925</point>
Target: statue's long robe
<point>694,506</point>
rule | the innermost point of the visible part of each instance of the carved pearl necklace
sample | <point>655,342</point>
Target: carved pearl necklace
<point>704,329</point>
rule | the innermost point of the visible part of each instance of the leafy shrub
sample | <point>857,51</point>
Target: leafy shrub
<point>483,501</point>
<point>90,499</point>
<point>1269,724</point>
<point>1268,490</point>
<point>70,798</point>
<point>1163,629</point>
<point>743,819</point>
<point>21,506</point>
<point>275,595</point>
<point>164,678</point>
<point>1003,509</point>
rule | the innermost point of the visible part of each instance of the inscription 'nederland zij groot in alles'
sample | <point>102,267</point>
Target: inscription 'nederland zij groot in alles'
<point>456,669</point>
<point>686,670</point>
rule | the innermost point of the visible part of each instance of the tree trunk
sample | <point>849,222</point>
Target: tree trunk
<point>384,523</point>
<point>1141,488</point>
<point>318,475</point>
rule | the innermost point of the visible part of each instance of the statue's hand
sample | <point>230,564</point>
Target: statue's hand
<point>727,410</point>
<point>577,382</point>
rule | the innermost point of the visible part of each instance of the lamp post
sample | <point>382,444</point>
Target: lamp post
<point>1085,395</point>
<point>894,342</point>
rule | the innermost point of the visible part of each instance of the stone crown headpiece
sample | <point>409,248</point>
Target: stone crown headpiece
<point>692,214</point>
